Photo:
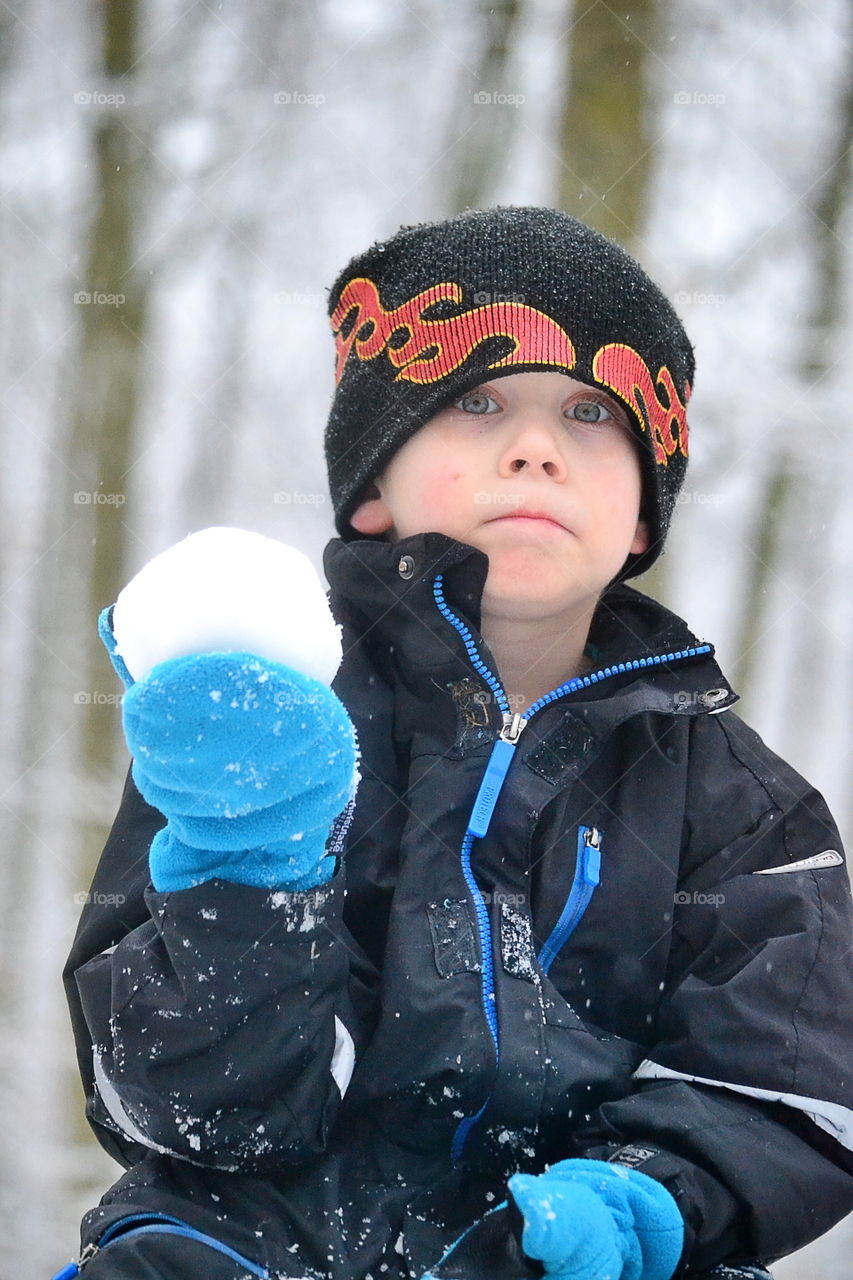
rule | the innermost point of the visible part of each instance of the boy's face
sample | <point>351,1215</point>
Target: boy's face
<point>539,471</point>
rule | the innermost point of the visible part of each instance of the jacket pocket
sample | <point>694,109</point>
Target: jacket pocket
<point>159,1224</point>
<point>586,879</point>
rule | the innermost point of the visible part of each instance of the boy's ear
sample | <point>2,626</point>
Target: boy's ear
<point>372,516</point>
<point>642,538</point>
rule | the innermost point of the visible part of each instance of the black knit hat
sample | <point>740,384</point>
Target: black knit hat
<point>442,306</point>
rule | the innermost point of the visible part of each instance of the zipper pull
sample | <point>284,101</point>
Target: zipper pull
<point>512,727</point>
<point>75,1269</point>
<point>496,771</point>
<point>591,861</point>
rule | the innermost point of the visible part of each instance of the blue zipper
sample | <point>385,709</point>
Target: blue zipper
<point>489,790</point>
<point>451,1249</point>
<point>587,877</point>
<point>152,1223</point>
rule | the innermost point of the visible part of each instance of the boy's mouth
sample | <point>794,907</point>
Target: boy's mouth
<point>522,513</point>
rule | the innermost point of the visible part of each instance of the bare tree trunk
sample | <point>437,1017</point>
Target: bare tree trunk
<point>606,137</point>
<point>67,800</point>
<point>107,391</point>
<point>67,553</point>
<point>789,504</point>
<point>487,120</point>
<point>606,144</point>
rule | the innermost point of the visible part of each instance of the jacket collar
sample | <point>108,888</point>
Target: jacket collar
<point>379,576</point>
<point>386,590</point>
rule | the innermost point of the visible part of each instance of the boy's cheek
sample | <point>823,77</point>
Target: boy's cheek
<point>437,506</point>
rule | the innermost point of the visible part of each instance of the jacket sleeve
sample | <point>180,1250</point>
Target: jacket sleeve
<point>744,1104</point>
<point>220,1027</point>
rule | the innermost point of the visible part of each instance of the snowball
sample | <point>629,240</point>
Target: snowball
<point>232,590</point>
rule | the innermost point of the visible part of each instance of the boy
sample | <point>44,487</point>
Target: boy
<point>583,1012</point>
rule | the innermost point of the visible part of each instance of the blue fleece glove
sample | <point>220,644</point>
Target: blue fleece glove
<point>250,762</point>
<point>588,1220</point>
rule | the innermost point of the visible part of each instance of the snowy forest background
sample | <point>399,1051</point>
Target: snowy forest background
<point>181,183</point>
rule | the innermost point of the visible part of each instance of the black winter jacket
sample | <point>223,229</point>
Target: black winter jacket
<point>628,962</point>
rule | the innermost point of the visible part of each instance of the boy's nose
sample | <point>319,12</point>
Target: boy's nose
<point>533,447</point>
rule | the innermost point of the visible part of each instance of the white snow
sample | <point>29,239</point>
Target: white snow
<point>232,590</point>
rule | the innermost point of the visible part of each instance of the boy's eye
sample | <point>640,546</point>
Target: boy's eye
<point>591,411</point>
<point>474,402</point>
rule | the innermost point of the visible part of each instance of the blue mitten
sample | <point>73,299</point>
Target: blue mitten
<point>588,1220</point>
<point>249,759</point>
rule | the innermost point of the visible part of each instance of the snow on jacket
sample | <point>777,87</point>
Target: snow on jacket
<point>630,962</point>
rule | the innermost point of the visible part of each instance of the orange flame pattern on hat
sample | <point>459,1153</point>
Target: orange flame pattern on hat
<point>620,368</point>
<point>537,338</point>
